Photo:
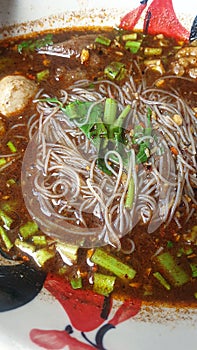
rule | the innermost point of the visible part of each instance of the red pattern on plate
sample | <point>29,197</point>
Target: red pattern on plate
<point>130,20</point>
<point>160,18</point>
<point>56,340</point>
<point>82,306</point>
<point>84,309</point>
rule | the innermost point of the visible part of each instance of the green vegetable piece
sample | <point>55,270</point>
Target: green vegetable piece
<point>112,264</point>
<point>133,46</point>
<point>12,147</point>
<point>39,240</point>
<point>43,75</point>
<point>152,51</point>
<point>143,153</point>
<point>8,206</point>
<point>130,194</point>
<point>195,295</point>
<point>162,280</point>
<point>193,266</point>
<point>62,270</point>
<point>120,120</point>
<point>2,161</point>
<point>29,229</point>
<point>102,166</point>
<point>103,40</point>
<point>41,256</point>
<point>68,252</point>
<point>7,220</point>
<point>103,284</point>
<point>10,182</point>
<point>184,251</point>
<point>130,36</point>
<point>31,45</point>
<point>76,282</point>
<point>25,246</point>
<point>173,272</point>
<point>51,100</point>
<point>115,70</point>
<point>5,239</point>
<point>170,244</point>
<point>110,110</point>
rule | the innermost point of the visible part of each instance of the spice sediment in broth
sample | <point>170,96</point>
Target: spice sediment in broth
<point>156,266</point>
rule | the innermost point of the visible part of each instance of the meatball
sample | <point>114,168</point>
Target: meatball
<point>16,91</point>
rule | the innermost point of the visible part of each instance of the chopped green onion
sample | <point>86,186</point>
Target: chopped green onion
<point>184,251</point>
<point>133,46</point>
<point>62,270</point>
<point>162,280</point>
<point>28,229</point>
<point>7,220</point>
<point>152,51</point>
<point>193,266</point>
<point>103,40</point>
<point>31,45</point>
<point>25,246</point>
<point>12,147</point>
<point>130,194</point>
<point>10,182</point>
<point>115,71</point>
<point>41,256</point>
<point>8,206</point>
<point>171,270</point>
<point>68,252</point>
<point>103,284</point>
<point>131,36</point>
<point>112,264</point>
<point>5,238</point>
<point>39,240</point>
<point>76,282</point>
<point>2,161</point>
<point>43,75</point>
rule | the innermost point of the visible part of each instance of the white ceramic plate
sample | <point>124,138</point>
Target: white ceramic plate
<point>43,320</point>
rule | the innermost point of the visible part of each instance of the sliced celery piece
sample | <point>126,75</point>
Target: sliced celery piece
<point>5,238</point>
<point>112,264</point>
<point>43,75</point>
<point>7,220</point>
<point>133,46</point>
<point>152,51</point>
<point>68,252</point>
<point>28,229</point>
<point>76,282</point>
<point>130,36</point>
<point>193,266</point>
<point>39,240</point>
<point>12,147</point>
<point>25,246</point>
<point>162,280</point>
<point>103,40</point>
<point>41,256</point>
<point>103,284</point>
<point>173,272</point>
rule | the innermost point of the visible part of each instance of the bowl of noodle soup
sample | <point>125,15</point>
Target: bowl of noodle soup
<point>98,128</point>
